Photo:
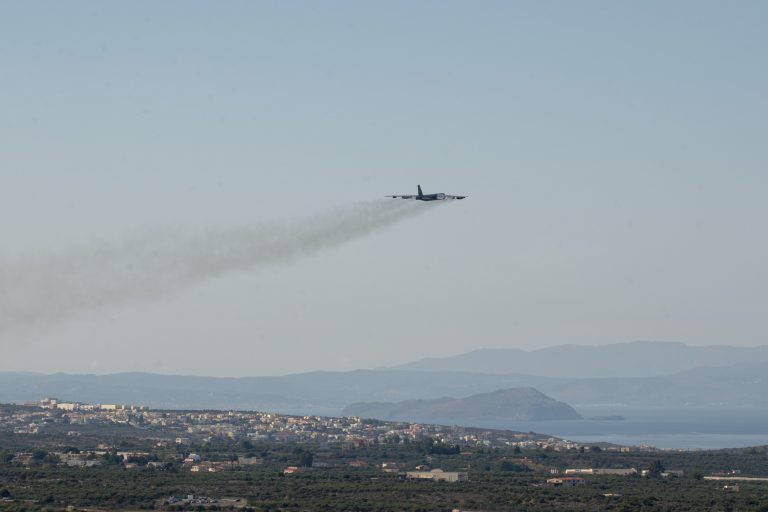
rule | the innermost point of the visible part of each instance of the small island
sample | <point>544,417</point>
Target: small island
<point>513,404</point>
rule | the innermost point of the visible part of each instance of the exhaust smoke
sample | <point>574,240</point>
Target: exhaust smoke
<point>43,289</point>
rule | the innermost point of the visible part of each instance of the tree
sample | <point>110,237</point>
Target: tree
<point>655,469</point>
<point>51,458</point>
<point>508,465</point>
<point>38,454</point>
<point>429,446</point>
<point>112,458</point>
<point>306,459</point>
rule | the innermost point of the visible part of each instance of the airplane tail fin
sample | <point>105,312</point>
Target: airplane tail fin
<point>420,192</point>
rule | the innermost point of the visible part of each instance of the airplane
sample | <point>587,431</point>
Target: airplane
<point>421,196</point>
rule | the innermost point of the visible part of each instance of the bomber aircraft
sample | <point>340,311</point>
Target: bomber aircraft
<point>421,196</point>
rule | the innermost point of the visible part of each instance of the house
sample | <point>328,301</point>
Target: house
<point>23,458</point>
<point>132,456</point>
<point>390,467</point>
<point>664,474</point>
<point>566,481</point>
<point>205,467</point>
<point>192,458</point>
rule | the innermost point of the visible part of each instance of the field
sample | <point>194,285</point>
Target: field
<point>351,478</point>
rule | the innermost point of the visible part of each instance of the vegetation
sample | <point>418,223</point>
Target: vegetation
<point>500,478</point>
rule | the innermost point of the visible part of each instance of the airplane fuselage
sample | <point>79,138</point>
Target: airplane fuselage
<point>420,196</point>
<point>430,197</point>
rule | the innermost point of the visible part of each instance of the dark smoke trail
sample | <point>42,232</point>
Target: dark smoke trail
<point>43,289</point>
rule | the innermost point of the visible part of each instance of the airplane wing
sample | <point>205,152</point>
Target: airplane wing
<point>456,197</point>
<point>402,197</point>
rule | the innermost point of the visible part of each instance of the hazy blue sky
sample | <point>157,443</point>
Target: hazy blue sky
<point>614,152</point>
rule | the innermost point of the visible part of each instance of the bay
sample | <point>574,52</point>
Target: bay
<point>684,428</point>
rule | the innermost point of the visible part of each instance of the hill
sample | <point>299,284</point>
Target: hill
<point>635,359</point>
<point>514,404</point>
<point>329,392</point>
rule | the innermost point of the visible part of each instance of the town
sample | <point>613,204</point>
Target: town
<point>184,427</point>
<point>248,459</point>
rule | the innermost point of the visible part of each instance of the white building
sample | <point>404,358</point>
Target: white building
<point>193,458</point>
<point>601,471</point>
<point>566,481</point>
<point>438,475</point>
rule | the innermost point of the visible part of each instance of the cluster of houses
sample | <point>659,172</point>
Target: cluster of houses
<point>571,480</point>
<point>188,427</point>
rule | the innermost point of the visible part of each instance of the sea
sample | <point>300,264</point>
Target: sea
<point>674,428</point>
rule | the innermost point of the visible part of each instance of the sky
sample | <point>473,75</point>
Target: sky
<point>614,154</point>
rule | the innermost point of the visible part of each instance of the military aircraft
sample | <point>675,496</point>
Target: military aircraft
<point>421,196</point>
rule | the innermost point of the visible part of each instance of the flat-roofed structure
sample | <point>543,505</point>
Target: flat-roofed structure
<point>438,475</point>
<point>566,481</point>
<point>601,471</point>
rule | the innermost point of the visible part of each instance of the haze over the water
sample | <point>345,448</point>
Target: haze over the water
<point>614,155</point>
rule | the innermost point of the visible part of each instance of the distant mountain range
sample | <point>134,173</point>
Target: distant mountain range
<point>721,383</point>
<point>329,392</point>
<point>514,404</point>
<point>634,359</point>
<point>315,392</point>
